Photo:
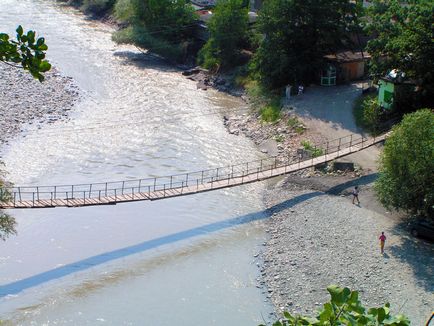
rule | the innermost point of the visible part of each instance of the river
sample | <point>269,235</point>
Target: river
<point>128,264</point>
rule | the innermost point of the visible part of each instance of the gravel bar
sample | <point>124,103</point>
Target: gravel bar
<point>316,239</point>
<point>24,100</point>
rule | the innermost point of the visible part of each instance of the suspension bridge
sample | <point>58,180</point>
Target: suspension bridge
<point>112,193</point>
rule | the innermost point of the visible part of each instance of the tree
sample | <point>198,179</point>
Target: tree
<point>403,38</point>
<point>26,50</point>
<point>228,31</point>
<point>7,223</point>
<point>406,178</point>
<point>345,308</point>
<point>162,26</point>
<point>296,36</point>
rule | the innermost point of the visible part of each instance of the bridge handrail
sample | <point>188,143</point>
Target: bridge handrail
<point>95,190</point>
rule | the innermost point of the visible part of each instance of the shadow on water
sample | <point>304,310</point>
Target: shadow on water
<point>146,60</point>
<point>418,254</point>
<point>35,280</point>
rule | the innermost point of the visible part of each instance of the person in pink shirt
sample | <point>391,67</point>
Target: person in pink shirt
<point>382,242</point>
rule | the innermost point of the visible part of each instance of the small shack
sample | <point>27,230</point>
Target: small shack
<point>344,66</point>
<point>391,86</point>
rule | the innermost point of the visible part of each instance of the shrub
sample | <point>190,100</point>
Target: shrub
<point>312,149</point>
<point>97,7</point>
<point>367,113</point>
<point>139,35</point>
<point>270,113</point>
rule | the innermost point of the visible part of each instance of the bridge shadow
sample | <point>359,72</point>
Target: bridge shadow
<point>38,279</point>
<point>364,180</point>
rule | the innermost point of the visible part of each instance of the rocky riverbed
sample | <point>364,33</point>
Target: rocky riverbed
<point>24,100</point>
<point>317,239</point>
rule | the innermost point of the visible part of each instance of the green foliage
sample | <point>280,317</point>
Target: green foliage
<point>26,51</point>
<point>345,308</point>
<point>372,114</point>
<point>293,123</point>
<point>140,36</point>
<point>171,20</point>
<point>312,149</point>
<point>97,7</point>
<point>270,112</point>
<point>406,166</point>
<point>228,31</point>
<point>296,36</point>
<point>162,26</point>
<point>7,226</point>
<point>367,113</point>
<point>403,40</point>
<point>279,138</point>
<point>7,223</point>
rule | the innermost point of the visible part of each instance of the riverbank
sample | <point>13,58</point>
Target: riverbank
<point>317,239</point>
<point>26,101</point>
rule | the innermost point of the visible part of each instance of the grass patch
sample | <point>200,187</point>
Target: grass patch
<point>279,138</point>
<point>296,125</point>
<point>367,113</point>
<point>270,113</point>
<point>312,149</point>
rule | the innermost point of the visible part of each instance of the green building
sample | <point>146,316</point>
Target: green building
<point>392,87</point>
<point>386,92</point>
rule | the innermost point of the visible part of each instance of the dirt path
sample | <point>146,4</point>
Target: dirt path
<point>328,111</point>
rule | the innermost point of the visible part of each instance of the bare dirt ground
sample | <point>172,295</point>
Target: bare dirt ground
<point>328,111</point>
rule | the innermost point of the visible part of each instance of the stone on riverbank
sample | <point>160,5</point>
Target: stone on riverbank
<point>25,100</point>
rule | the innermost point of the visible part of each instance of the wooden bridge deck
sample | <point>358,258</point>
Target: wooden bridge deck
<point>112,193</point>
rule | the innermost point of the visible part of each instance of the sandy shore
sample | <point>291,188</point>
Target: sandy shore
<point>24,100</point>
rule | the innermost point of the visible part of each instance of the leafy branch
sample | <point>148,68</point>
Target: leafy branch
<point>25,52</point>
<point>345,308</point>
